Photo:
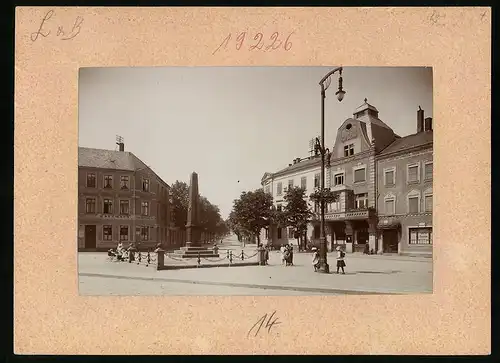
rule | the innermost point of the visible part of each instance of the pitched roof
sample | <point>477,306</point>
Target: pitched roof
<point>111,159</point>
<point>301,164</point>
<point>108,159</point>
<point>409,142</point>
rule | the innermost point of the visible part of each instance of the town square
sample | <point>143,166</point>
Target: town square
<point>321,192</point>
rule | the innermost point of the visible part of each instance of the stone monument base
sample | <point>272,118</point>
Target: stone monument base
<point>194,251</point>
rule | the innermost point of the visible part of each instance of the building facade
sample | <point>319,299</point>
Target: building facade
<point>120,199</point>
<point>359,167</point>
<point>405,174</point>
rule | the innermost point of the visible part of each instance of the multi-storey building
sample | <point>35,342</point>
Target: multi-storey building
<point>404,174</point>
<point>120,199</point>
<point>365,152</point>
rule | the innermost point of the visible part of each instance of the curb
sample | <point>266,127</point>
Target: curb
<point>253,286</point>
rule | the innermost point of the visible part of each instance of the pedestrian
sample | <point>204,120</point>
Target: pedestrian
<point>291,254</point>
<point>340,260</point>
<point>267,255</point>
<point>282,250</point>
<point>315,260</point>
<point>287,255</point>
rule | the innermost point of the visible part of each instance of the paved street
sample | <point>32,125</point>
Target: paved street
<point>364,274</point>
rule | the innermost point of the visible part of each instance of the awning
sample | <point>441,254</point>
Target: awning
<point>389,223</point>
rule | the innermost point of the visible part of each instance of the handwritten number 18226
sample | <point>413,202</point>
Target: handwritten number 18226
<point>259,42</point>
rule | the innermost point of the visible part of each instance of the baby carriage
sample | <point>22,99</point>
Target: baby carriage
<point>114,255</point>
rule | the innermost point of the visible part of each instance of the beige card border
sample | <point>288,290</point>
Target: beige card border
<point>50,317</point>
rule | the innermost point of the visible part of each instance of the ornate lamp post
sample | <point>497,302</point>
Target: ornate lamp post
<point>320,145</point>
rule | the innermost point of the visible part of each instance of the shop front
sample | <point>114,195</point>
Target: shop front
<point>354,231</point>
<point>389,235</point>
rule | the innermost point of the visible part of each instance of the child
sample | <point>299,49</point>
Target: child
<point>340,260</point>
<point>315,260</point>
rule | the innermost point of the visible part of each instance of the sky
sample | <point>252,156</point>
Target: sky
<point>233,124</point>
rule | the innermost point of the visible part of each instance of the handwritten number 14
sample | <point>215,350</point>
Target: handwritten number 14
<point>258,43</point>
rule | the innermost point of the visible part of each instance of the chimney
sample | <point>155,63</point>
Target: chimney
<point>119,142</point>
<point>428,124</point>
<point>420,120</point>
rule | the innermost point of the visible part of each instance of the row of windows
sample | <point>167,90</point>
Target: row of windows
<point>124,207</point>
<point>359,176</point>
<point>108,182</point>
<point>412,173</point>
<point>413,206</point>
<point>107,233</point>
<point>360,202</point>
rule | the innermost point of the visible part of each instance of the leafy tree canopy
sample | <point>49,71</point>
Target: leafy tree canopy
<point>251,212</point>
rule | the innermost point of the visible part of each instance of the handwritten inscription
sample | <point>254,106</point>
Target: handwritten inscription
<point>270,322</point>
<point>48,27</point>
<point>259,41</point>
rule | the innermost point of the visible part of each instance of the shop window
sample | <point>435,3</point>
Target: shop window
<point>421,236</point>
<point>107,233</point>
<point>124,233</point>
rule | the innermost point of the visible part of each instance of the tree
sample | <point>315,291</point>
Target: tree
<point>252,212</point>
<point>234,226</point>
<point>210,219</point>
<point>327,195</point>
<point>180,203</point>
<point>296,212</point>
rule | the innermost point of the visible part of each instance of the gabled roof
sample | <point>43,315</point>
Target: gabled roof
<point>409,142</point>
<point>302,164</point>
<point>111,159</point>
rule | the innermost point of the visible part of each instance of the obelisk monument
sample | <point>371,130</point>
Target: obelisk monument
<point>192,232</point>
<point>194,248</point>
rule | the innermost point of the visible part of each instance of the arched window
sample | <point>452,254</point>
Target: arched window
<point>413,202</point>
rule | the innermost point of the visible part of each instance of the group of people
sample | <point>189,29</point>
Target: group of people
<point>120,252</point>
<point>286,255</point>
<point>340,259</point>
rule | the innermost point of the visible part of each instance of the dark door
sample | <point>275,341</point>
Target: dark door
<point>390,241</point>
<point>90,236</point>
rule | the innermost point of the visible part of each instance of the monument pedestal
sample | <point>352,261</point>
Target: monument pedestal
<point>194,251</point>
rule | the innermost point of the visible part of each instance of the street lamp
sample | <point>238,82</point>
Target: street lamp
<point>320,145</point>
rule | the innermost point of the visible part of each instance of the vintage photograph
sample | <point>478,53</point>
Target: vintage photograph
<point>255,180</point>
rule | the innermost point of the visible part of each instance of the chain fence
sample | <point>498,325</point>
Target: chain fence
<point>151,258</point>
